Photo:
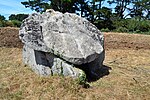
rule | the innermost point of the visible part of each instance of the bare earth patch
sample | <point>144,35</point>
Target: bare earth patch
<point>128,55</point>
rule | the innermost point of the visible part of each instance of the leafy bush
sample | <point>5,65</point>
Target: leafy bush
<point>8,23</point>
<point>138,25</point>
<point>105,30</point>
<point>122,29</point>
<point>132,24</point>
<point>13,23</point>
<point>19,17</point>
<point>1,23</point>
<point>16,23</point>
<point>144,26</point>
<point>82,78</point>
<point>119,23</point>
<point>137,31</point>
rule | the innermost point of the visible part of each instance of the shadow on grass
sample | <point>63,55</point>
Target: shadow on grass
<point>103,71</point>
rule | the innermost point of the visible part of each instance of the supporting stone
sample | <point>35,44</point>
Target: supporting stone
<point>48,64</point>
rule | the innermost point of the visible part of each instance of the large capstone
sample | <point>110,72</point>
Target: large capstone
<point>61,43</point>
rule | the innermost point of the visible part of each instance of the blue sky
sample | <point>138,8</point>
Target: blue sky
<point>8,7</point>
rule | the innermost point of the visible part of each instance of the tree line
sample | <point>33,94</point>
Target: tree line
<point>107,15</point>
<point>14,20</point>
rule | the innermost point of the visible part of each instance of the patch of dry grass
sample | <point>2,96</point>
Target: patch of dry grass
<point>129,79</point>
<point>130,72</point>
<point>19,82</point>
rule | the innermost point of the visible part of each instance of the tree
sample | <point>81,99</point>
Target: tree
<point>18,17</point>
<point>121,6</point>
<point>141,9</point>
<point>37,5</point>
<point>58,5</point>
<point>64,5</point>
<point>95,10</point>
<point>99,14</point>
<point>2,21</point>
<point>99,9</point>
<point>2,18</point>
<point>104,20</point>
<point>82,8</point>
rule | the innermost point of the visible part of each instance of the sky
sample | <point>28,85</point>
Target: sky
<point>8,7</point>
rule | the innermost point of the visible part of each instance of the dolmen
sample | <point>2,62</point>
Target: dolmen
<point>63,44</point>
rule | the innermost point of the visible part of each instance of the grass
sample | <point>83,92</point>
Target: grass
<point>129,79</point>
